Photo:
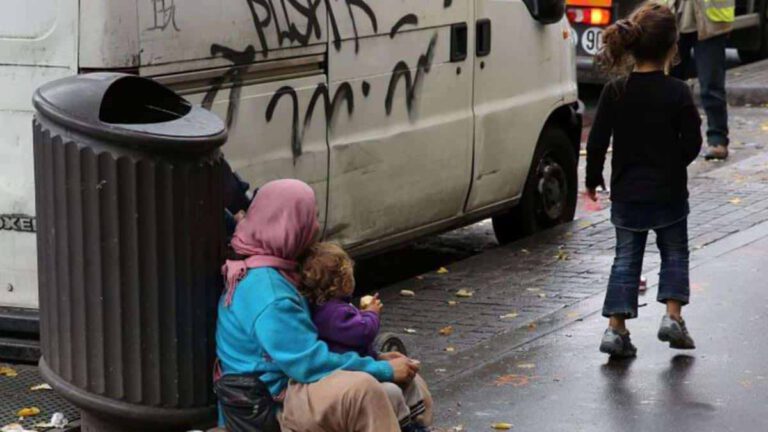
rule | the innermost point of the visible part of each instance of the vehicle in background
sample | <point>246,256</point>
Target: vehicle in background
<point>407,118</point>
<point>590,17</point>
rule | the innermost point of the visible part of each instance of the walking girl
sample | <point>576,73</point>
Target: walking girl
<point>656,132</point>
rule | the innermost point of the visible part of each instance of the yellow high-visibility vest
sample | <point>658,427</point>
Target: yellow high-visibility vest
<point>723,11</point>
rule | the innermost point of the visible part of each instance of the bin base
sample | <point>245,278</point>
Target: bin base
<point>102,414</point>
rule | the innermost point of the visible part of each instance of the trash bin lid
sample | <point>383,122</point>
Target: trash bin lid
<point>131,110</point>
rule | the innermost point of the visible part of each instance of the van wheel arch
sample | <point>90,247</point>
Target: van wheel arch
<point>551,188</point>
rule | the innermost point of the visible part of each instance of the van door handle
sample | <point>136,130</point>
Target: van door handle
<point>459,37</point>
<point>483,37</point>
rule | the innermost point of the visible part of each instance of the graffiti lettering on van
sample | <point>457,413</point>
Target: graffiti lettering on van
<point>18,223</point>
<point>164,15</point>
<point>232,76</point>
<point>330,105</point>
<point>267,16</point>
<point>402,72</point>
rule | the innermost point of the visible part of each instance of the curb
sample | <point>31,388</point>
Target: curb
<point>745,86</point>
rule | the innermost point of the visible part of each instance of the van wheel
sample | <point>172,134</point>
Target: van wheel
<point>749,56</point>
<point>550,193</point>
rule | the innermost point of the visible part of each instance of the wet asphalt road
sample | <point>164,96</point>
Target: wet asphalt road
<point>561,382</point>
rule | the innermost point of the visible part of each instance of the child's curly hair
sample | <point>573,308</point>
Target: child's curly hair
<point>326,270</point>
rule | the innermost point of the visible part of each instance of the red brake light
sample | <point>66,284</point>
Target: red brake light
<point>589,16</point>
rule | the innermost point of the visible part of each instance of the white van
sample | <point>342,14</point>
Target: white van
<point>407,117</point>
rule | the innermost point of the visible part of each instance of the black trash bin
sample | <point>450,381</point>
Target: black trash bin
<point>129,209</point>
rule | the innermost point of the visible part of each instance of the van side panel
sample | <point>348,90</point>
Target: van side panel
<point>401,159</point>
<point>38,43</point>
<point>109,34</point>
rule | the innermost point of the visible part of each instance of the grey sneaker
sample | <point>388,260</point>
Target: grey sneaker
<point>617,344</point>
<point>675,333</point>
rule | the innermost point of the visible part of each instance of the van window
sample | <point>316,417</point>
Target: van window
<point>27,19</point>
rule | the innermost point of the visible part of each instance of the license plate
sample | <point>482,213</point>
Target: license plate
<point>590,40</point>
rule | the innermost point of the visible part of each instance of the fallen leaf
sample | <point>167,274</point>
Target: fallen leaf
<point>407,293</point>
<point>582,152</point>
<point>513,379</point>
<point>562,255</point>
<point>735,201</point>
<point>446,331</point>
<point>572,315</point>
<point>39,387</point>
<point>462,293</point>
<point>525,251</point>
<point>532,326</point>
<point>502,426</point>
<point>526,365</point>
<point>585,224</point>
<point>419,277</point>
<point>28,412</point>
<point>511,315</point>
<point>441,370</point>
<point>8,372</point>
<point>14,427</point>
<point>450,349</point>
<point>409,331</point>
<point>453,303</point>
<point>542,295</point>
<point>442,270</point>
<point>533,289</point>
<point>764,127</point>
<point>58,421</point>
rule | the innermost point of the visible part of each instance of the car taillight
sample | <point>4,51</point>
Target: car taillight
<point>589,16</point>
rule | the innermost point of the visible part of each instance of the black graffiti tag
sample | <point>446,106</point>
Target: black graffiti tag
<point>233,76</point>
<point>403,73</point>
<point>18,223</point>
<point>164,12</point>
<point>330,105</point>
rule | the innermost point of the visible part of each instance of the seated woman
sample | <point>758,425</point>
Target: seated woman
<point>272,366</point>
<point>328,282</point>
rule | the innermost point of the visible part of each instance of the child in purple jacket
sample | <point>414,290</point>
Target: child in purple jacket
<point>328,282</point>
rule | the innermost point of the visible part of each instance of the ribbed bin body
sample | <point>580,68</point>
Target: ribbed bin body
<point>130,249</point>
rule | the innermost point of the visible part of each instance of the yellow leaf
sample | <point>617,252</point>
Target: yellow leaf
<point>511,315</point>
<point>446,331</point>
<point>735,201</point>
<point>764,127</point>
<point>525,251</point>
<point>450,349</point>
<point>41,387</point>
<point>562,255</point>
<point>464,293</point>
<point>407,293</point>
<point>502,426</point>
<point>453,303</point>
<point>526,365</point>
<point>572,315</point>
<point>442,270</point>
<point>513,380</point>
<point>28,412</point>
<point>409,331</point>
<point>533,289</point>
<point>8,372</point>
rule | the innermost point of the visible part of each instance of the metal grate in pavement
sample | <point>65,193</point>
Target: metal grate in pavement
<point>15,394</point>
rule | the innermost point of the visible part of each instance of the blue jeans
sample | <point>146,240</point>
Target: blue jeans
<point>623,285</point>
<point>709,56</point>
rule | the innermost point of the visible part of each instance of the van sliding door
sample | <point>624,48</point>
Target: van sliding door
<point>400,126</point>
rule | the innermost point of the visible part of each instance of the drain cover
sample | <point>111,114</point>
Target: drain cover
<point>15,394</point>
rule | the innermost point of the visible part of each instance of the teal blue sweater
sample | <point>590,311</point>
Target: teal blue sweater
<point>268,329</point>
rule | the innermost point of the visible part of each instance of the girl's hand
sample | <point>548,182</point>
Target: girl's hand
<point>592,194</point>
<point>376,306</point>
<point>391,355</point>
<point>404,370</point>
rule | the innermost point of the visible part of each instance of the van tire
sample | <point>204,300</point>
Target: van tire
<point>554,170</point>
<point>753,55</point>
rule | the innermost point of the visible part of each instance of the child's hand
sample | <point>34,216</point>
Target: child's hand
<point>376,306</point>
<point>592,194</point>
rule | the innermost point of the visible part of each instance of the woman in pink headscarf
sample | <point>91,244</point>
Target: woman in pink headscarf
<point>275,374</point>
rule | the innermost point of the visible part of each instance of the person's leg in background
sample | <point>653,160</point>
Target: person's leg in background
<point>710,64</point>
<point>623,289</point>
<point>686,68</point>
<point>674,283</point>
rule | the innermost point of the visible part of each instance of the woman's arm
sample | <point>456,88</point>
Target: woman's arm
<point>690,128</point>
<point>600,137</point>
<point>289,337</point>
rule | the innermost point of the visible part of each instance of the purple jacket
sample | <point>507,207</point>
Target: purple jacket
<point>345,328</point>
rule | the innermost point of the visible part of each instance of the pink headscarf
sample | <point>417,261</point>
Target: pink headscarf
<point>280,225</point>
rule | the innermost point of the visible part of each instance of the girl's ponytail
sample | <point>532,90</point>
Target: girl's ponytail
<point>618,40</point>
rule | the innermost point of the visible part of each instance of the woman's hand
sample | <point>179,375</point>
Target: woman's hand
<point>391,356</point>
<point>404,369</point>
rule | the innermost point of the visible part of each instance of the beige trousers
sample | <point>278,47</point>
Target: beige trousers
<point>412,403</point>
<point>342,402</point>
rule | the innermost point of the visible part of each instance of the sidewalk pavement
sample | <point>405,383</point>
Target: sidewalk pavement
<point>560,382</point>
<point>745,85</point>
